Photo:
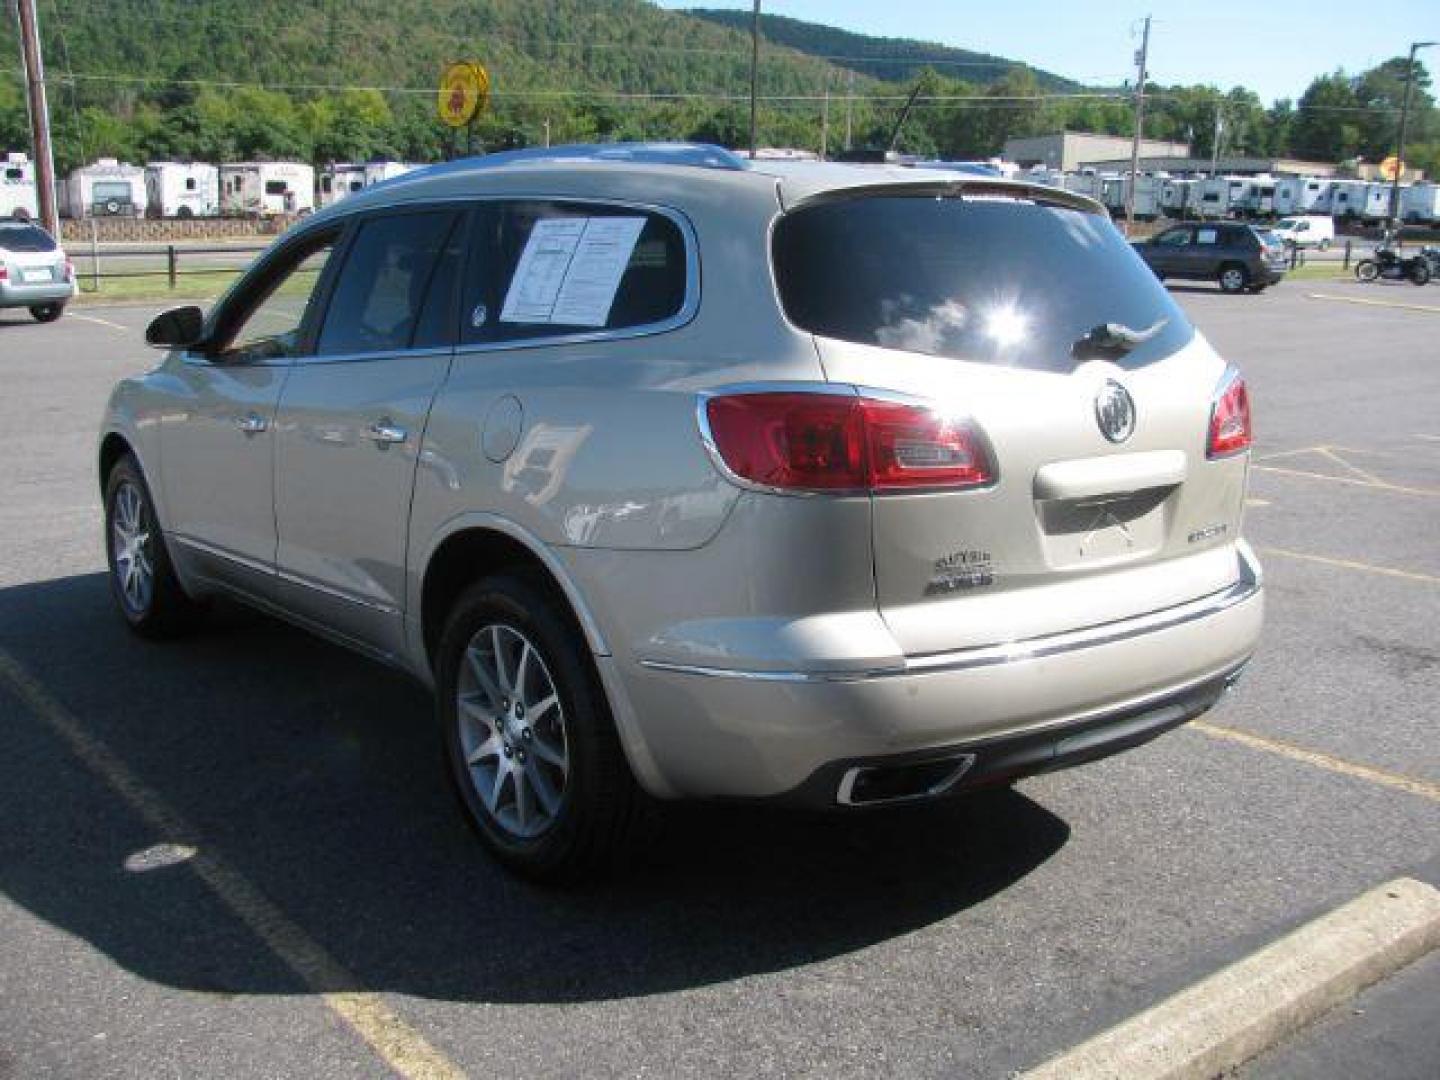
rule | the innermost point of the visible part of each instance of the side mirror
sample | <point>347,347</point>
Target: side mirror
<point>178,328</point>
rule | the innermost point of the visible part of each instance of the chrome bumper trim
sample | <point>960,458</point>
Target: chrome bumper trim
<point>1035,648</point>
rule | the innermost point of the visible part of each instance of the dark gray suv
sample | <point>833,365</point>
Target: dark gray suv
<point>1235,255</point>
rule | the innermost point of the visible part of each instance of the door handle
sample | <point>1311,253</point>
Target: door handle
<point>252,423</point>
<point>384,432</point>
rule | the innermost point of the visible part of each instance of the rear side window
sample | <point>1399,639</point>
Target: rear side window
<point>382,285</point>
<point>981,278</point>
<point>549,269</point>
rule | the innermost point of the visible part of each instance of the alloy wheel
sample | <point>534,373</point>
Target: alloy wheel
<point>512,731</point>
<point>130,544</point>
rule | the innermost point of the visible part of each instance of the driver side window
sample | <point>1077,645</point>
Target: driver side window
<point>272,326</point>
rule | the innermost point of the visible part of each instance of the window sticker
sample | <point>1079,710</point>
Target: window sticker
<point>570,270</point>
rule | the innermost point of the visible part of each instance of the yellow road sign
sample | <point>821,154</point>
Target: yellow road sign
<point>1391,167</point>
<point>464,91</point>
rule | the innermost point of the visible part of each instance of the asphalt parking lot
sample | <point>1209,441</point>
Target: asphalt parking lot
<point>321,909</point>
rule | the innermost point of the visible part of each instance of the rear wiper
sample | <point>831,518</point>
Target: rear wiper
<point>1115,338</point>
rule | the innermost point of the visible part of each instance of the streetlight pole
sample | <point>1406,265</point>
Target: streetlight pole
<point>1415,46</point>
<point>754,72</point>
<point>1141,59</point>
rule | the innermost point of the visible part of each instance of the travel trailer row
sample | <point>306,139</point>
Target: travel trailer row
<point>171,189</point>
<point>1161,195</point>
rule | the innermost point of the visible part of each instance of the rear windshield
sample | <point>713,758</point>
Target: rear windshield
<point>25,238</point>
<point>987,279</point>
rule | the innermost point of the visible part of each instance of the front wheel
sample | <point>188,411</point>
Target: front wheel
<point>142,579</point>
<point>532,749</point>
<point>1234,279</point>
<point>1420,273</point>
<point>46,312</point>
<point>1367,270</point>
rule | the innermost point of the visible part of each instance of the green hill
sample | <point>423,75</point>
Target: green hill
<point>892,59</point>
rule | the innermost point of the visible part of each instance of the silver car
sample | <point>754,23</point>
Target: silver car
<point>677,475</point>
<point>34,271</point>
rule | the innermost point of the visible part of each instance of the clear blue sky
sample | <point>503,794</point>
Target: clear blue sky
<point>1274,47</point>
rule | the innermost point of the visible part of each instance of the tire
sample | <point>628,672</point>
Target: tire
<point>1367,270</point>
<point>549,793</point>
<point>184,213</point>
<point>1257,289</point>
<point>46,312</point>
<point>1233,278</point>
<point>153,608</point>
<point>1420,273</point>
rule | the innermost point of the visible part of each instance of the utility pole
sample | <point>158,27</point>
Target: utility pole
<point>39,116</point>
<point>1415,46</point>
<point>849,108</point>
<point>1141,59</point>
<point>1215,145</point>
<point>825,122</point>
<point>754,73</point>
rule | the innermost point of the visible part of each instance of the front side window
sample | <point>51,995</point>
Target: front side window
<point>551,269</point>
<point>272,323</point>
<point>382,285</point>
<point>986,278</point>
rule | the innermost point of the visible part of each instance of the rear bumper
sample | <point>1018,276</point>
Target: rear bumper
<point>1022,707</point>
<point>14,294</point>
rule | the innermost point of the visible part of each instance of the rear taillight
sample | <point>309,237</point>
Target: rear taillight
<point>1230,431</point>
<point>69,270</point>
<point>840,442</point>
<point>4,272</point>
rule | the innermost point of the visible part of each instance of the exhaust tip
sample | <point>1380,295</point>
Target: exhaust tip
<point>875,785</point>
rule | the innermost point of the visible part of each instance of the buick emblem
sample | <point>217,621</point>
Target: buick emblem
<point>1115,412</point>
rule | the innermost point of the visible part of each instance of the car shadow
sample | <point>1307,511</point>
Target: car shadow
<point>316,775</point>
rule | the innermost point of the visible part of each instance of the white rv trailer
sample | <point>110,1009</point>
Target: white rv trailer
<point>1175,196</point>
<point>1300,195</point>
<point>1420,203</point>
<point>182,189</point>
<point>18,198</point>
<point>108,188</point>
<point>1259,197</point>
<point>338,180</point>
<point>1360,200</point>
<point>1115,190</point>
<point>1085,183</point>
<point>377,172</point>
<point>1217,196</point>
<point>267,188</point>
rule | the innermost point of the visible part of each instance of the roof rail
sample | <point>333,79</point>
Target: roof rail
<point>699,155</point>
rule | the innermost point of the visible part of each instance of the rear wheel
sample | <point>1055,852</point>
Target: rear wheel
<point>532,748</point>
<point>142,579</point>
<point>1420,272</point>
<point>1234,278</point>
<point>1367,270</point>
<point>46,312</point>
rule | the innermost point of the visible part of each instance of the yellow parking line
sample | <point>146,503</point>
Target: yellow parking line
<point>1398,489</point>
<point>365,1012</point>
<point>1408,784</point>
<point>1374,303</point>
<point>1351,564</point>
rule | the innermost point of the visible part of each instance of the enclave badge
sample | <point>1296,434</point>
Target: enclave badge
<point>1115,412</point>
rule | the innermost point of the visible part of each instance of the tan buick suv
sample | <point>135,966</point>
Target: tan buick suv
<point>677,475</point>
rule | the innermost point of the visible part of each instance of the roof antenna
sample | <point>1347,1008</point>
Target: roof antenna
<point>904,115</point>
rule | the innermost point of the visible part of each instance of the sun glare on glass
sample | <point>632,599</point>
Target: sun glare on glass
<point>1005,326</point>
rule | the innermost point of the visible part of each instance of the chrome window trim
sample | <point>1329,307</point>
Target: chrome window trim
<point>689,304</point>
<point>1247,587</point>
<point>368,357</point>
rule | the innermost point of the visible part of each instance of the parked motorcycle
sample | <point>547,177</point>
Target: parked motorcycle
<point>1389,265</point>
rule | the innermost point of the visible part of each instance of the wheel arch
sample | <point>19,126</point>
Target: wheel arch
<point>487,546</point>
<point>113,447</point>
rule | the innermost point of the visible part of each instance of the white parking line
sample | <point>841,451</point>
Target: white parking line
<point>101,322</point>
<point>1225,1020</point>
<point>365,1012</point>
<point>1374,303</point>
